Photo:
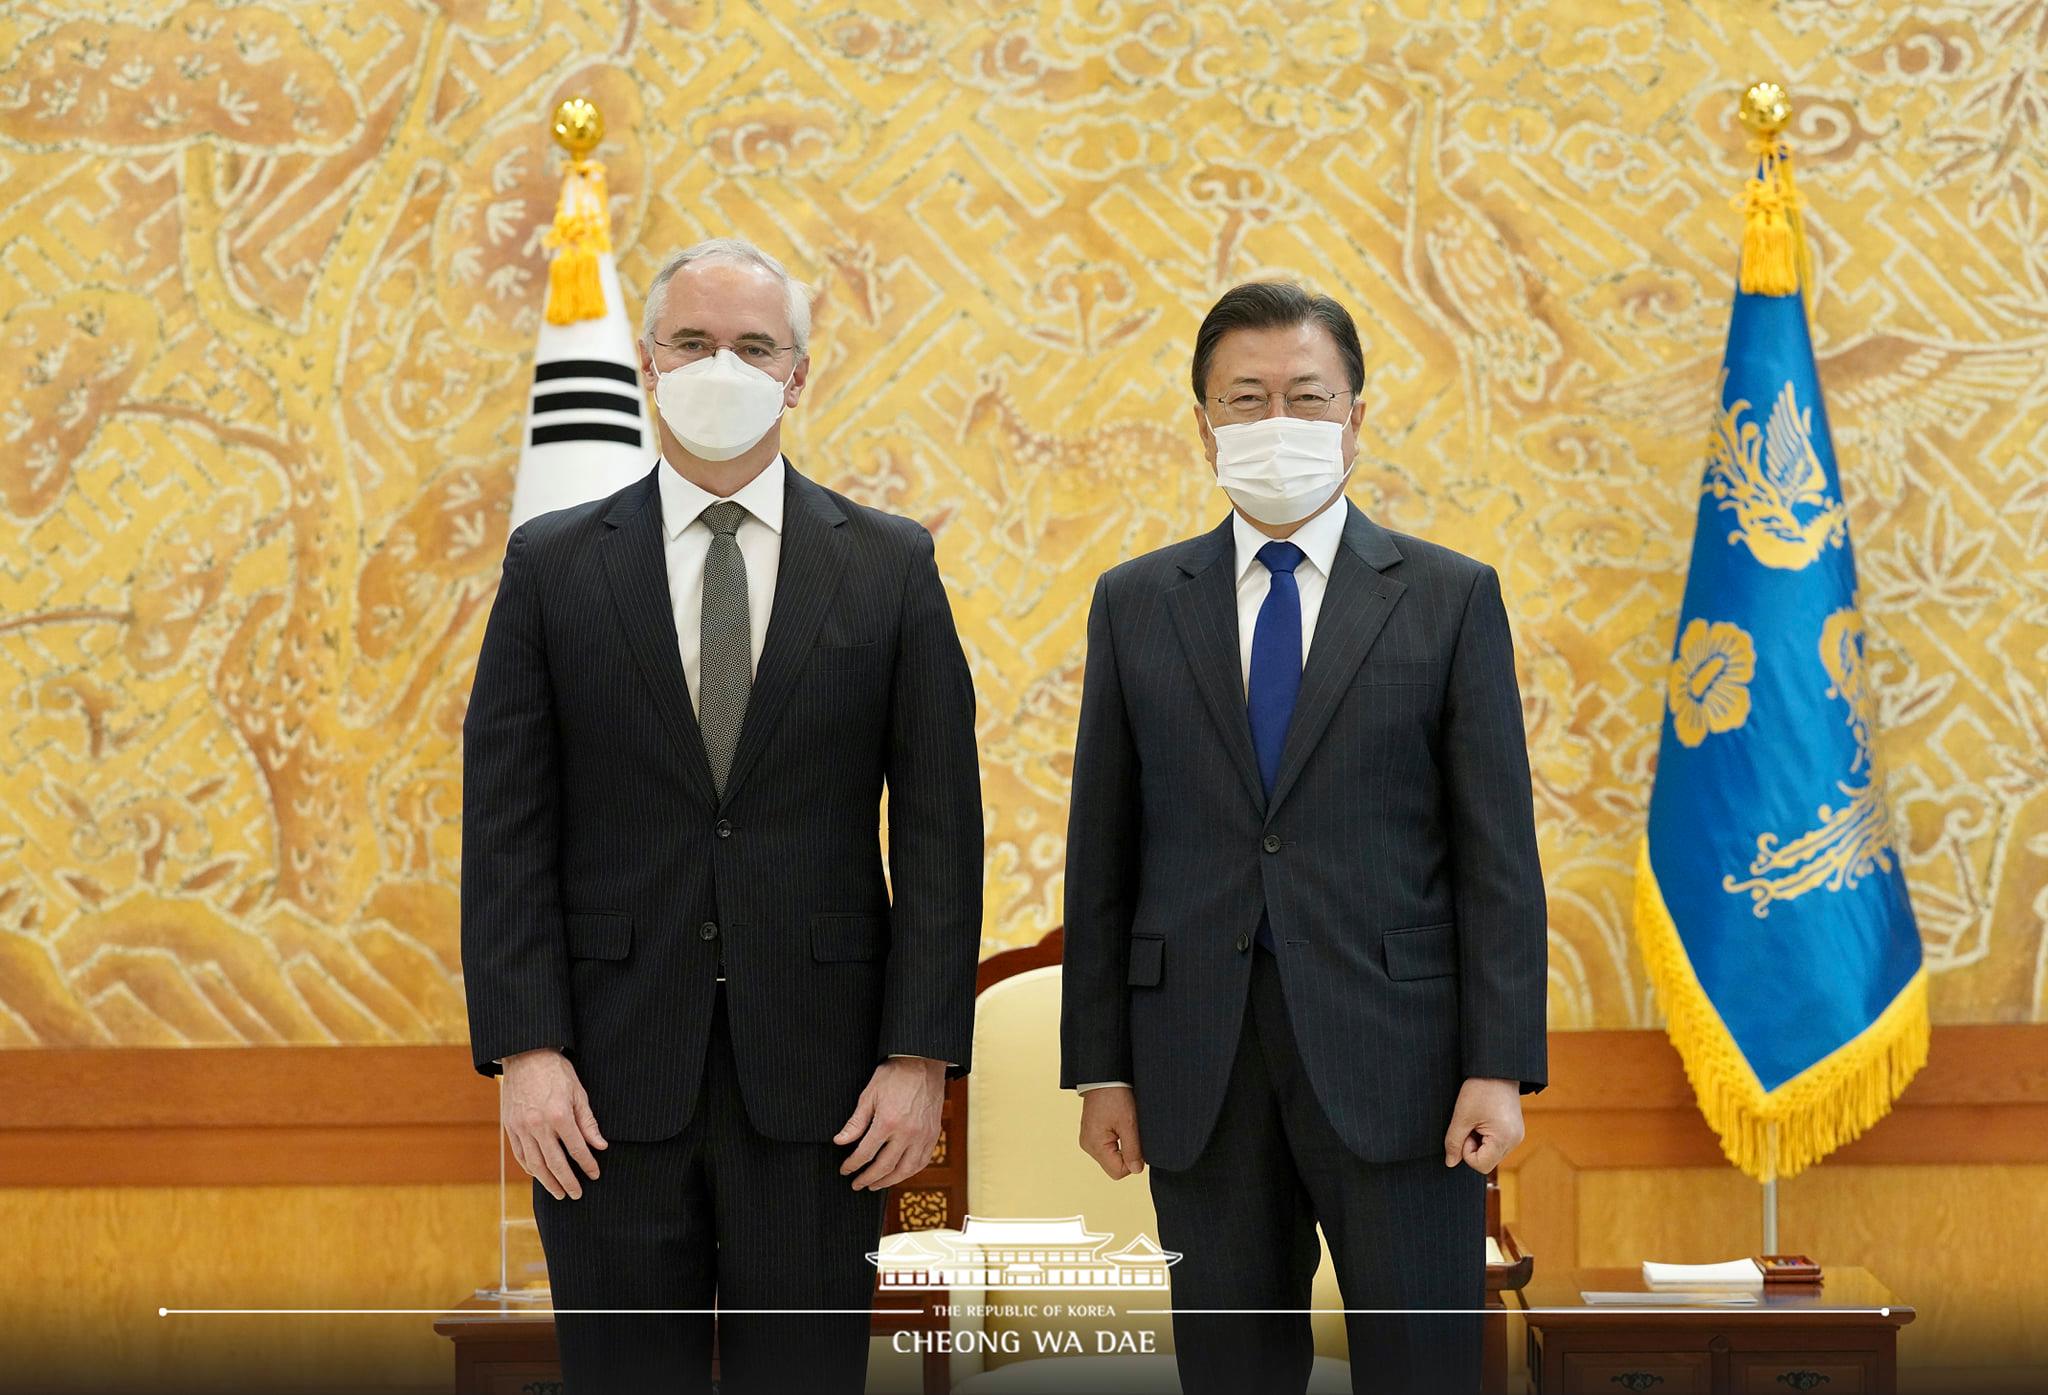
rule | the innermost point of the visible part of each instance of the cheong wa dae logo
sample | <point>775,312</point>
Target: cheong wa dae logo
<point>1041,1253</point>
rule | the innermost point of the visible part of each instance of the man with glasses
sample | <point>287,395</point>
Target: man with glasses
<point>1305,927</point>
<point>724,1033</point>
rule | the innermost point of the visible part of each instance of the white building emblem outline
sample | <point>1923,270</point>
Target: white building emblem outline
<point>1038,1252</point>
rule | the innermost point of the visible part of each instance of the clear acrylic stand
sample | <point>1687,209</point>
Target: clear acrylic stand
<point>522,1268</point>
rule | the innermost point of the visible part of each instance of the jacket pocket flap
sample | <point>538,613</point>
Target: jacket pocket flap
<point>830,657</point>
<point>597,934</point>
<point>1380,671</point>
<point>843,936</point>
<point>1426,951</point>
<point>1148,953</point>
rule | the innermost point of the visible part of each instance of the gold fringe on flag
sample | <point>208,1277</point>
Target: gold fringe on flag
<point>1773,238</point>
<point>1781,1132</point>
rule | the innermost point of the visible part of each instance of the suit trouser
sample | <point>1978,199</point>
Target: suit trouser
<point>717,1212</point>
<point>1403,1235</point>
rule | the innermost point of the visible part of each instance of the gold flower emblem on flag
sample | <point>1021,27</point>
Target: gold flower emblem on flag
<point>1709,682</point>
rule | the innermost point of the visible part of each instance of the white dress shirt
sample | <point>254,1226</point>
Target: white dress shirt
<point>686,539</point>
<point>1318,540</point>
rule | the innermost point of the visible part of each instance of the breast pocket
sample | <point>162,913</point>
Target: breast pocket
<point>843,658</point>
<point>1395,673</point>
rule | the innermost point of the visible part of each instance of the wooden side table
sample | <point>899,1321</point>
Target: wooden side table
<point>502,1348</point>
<point>509,1348</point>
<point>1839,1338</point>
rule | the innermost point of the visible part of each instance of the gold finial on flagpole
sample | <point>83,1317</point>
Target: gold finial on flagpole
<point>582,227</point>
<point>1766,109</point>
<point>578,126</point>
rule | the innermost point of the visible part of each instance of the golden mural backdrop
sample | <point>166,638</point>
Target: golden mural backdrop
<point>272,277</point>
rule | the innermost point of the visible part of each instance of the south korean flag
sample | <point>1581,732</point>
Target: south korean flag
<point>586,430</point>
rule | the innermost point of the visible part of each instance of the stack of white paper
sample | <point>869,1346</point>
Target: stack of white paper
<point>1736,1273</point>
<point>1726,1296</point>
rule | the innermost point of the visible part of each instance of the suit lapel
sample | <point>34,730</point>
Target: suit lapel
<point>1355,608</point>
<point>638,571</point>
<point>1204,609</point>
<point>813,559</point>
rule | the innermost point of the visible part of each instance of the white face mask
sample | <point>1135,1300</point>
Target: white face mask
<point>718,407</point>
<point>1279,470</point>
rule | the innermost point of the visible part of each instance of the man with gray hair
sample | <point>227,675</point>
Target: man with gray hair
<point>678,941</point>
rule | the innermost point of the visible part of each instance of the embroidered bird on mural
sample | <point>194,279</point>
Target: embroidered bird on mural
<point>1468,275</point>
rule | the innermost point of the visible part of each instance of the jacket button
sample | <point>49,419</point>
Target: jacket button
<point>1244,942</point>
<point>707,931</point>
<point>1272,843</point>
<point>725,828</point>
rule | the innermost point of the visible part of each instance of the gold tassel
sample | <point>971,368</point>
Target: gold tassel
<point>579,233</point>
<point>1830,1103</point>
<point>1773,247</point>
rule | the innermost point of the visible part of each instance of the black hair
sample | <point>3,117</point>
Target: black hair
<point>1273,305</point>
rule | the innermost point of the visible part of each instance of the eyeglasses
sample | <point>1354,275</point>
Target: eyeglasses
<point>1309,404</point>
<point>762,353</point>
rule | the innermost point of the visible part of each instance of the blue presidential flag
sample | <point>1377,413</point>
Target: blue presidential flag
<point>1770,900</point>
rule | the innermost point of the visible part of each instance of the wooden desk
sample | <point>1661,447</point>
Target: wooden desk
<point>509,1348</point>
<point>1839,1339</point>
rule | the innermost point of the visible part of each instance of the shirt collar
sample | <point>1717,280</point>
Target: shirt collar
<point>682,501</point>
<point>1318,539</point>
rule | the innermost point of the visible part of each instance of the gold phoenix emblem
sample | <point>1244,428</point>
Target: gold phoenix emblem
<point>1773,482</point>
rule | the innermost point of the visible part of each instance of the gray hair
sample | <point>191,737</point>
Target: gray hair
<point>735,251</point>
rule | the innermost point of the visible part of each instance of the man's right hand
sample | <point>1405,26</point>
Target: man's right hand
<point>548,1121</point>
<point>1109,1130</point>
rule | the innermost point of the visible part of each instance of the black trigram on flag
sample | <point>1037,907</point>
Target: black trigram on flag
<point>582,399</point>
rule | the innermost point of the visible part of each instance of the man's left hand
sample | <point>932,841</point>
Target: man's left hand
<point>1486,1124</point>
<point>896,1121</point>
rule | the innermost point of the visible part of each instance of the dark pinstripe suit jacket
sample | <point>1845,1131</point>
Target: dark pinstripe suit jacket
<point>1397,857</point>
<point>603,879</point>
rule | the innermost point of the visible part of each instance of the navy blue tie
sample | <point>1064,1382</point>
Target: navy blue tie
<point>1275,680</point>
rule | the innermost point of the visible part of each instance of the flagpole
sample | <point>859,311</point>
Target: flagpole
<point>1771,1188</point>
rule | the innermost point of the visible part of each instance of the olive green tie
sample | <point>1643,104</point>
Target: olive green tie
<point>726,657</point>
